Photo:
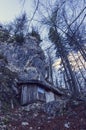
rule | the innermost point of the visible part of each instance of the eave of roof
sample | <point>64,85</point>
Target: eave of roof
<point>44,85</point>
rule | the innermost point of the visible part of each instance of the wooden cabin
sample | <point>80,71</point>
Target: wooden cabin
<point>37,91</point>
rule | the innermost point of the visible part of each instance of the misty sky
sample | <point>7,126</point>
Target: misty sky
<point>9,9</point>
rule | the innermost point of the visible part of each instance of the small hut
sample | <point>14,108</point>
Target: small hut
<point>34,88</point>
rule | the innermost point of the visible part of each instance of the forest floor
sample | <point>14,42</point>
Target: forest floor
<point>74,118</point>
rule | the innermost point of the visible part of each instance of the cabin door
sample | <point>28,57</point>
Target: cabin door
<point>24,95</point>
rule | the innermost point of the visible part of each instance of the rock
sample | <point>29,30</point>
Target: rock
<point>26,61</point>
<point>25,123</point>
<point>34,106</point>
<point>39,128</point>
<point>67,125</point>
<point>51,108</point>
<point>30,128</point>
<point>22,57</point>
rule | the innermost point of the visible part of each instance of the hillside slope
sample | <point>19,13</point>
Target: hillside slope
<point>73,117</point>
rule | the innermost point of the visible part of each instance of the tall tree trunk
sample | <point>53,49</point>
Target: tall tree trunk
<point>66,64</point>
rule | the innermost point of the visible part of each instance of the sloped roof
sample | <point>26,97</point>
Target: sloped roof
<point>44,85</point>
<point>34,77</point>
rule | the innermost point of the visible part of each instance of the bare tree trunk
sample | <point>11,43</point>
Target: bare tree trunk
<point>66,64</point>
<point>50,75</point>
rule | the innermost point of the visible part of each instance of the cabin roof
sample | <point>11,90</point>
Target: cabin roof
<point>36,78</point>
<point>43,84</point>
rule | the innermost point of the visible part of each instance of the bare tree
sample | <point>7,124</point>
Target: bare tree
<point>60,30</point>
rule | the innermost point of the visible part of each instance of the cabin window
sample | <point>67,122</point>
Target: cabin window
<point>40,90</point>
<point>41,94</point>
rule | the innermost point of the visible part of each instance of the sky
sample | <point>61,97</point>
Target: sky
<point>9,9</point>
